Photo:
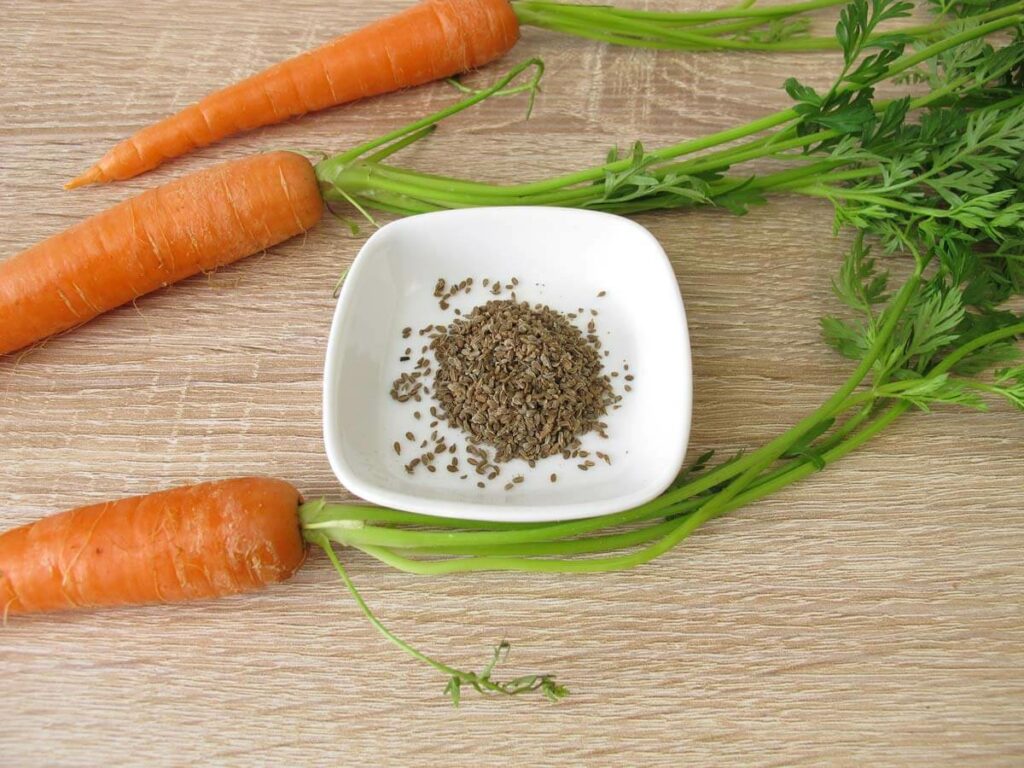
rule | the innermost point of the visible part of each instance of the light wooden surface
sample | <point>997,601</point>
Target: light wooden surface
<point>870,615</point>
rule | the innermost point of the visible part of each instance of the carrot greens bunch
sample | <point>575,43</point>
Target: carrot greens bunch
<point>825,140</point>
<point>935,178</point>
<point>744,27</point>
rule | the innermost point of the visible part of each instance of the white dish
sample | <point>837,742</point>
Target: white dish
<point>563,258</point>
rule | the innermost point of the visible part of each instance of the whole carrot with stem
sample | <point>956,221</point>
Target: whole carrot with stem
<point>190,543</point>
<point>429,41</point>
<point>196,224</point>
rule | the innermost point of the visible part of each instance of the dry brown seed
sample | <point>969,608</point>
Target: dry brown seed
<point>423,444</point>
<point>398,448</point>
<point>602,294</point>
<point>629,377</point>
<point>481,484</point>
<point>522,379</point>
<point>584,467</point>
<point>416,414</point>
<point>445,305</point>
<point>554,478</point>
<point>431,468</point>
<point>518,479</point>
<point>628,388</point>
<point>406,332</point>
<point>452,448</point>
<point>487,281</point>
<point>410,436</point>
<point>509,486</point>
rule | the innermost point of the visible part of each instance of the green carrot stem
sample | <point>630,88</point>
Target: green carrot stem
<point>695,16</point>
<point>599,565</point>
<point>341,159</point>
<point>647,33</point>
<point>481,682</point>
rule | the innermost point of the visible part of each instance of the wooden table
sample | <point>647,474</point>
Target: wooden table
<point>869,615</point>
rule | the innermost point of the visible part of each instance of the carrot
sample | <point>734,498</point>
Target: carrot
<point>199,541</point>
<point>195,224</point>
<point>431,40</point>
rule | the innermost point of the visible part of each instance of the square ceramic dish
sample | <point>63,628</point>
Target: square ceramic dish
<point>561,257</point>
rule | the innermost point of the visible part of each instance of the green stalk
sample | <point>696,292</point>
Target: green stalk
<point>481,682</point>
<point>644,33</point>
<point>602,565</point>
<point>767,12</point>
<point>400,134</point>
<point>691,32</point>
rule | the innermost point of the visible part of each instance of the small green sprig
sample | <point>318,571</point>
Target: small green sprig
<point>482,682</point>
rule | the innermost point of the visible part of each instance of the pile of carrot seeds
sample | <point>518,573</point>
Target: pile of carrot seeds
<point>518,381</point>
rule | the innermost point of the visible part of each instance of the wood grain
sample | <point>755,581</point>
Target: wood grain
<point>870,615</point>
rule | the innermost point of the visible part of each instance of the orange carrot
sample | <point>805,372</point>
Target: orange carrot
<point>431,40</point>
<point>189,543</point>
<point>192,225</point>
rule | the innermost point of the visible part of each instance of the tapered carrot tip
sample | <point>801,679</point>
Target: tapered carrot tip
<point>92,176</point>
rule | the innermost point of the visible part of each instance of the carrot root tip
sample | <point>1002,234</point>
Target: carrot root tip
<point>92,176</point>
